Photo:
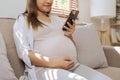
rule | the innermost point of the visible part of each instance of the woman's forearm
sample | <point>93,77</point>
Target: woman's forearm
<point>39,60</point>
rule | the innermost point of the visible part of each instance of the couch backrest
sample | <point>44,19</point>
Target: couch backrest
<point>6,28</point>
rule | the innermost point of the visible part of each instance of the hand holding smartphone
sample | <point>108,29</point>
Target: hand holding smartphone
<point>72,16</point>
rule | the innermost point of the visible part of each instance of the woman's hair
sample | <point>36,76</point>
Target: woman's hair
<point>31,14</point>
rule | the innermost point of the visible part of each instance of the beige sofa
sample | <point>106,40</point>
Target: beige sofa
<point>6,24</point>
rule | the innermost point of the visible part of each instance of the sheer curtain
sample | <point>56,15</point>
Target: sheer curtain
<point>63,7</point>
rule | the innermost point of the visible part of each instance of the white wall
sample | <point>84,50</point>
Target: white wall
<point>11,8</point>
<point>84,8</point>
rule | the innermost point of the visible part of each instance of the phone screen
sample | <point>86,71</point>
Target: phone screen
<point>72,16</point>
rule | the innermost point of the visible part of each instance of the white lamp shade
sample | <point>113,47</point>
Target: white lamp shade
<point>103,8</point>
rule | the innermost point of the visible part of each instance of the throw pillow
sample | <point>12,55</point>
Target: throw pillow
<point>90,51</point>
<point>6,71</point>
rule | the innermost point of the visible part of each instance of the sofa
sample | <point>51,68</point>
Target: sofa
<point>111,66</point>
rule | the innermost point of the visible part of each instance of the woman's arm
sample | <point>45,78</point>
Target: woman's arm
<point>69,31</point>
<point>21,40</point>
<point>43,61</point>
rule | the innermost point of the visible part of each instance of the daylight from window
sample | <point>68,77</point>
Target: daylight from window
<point>63,7</point>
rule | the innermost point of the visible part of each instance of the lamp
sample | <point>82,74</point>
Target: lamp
<point>103,9</point>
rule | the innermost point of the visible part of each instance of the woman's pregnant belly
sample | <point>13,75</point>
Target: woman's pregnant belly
<point>55,47</point>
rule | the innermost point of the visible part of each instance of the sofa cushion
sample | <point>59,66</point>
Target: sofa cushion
<point>5,66</point>
<point>90,51</point>
<point>112,72</point>
<point>6,28</point>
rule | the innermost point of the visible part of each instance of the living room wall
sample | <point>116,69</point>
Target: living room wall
<point>84,8</point>
<point>11,8</point>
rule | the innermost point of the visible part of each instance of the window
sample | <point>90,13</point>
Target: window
<point>63,7</point>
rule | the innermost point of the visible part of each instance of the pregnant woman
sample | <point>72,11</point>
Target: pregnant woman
<point>49,53</point>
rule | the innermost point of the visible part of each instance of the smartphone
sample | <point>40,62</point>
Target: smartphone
<point>72,16</point>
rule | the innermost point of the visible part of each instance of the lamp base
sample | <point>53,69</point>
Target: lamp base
<point>104,37</point>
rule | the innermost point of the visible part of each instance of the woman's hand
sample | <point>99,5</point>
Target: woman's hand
<point>64,63</point>
<point>69,30</point>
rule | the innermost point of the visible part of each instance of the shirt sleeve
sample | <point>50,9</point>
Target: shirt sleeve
<point>20,34</point>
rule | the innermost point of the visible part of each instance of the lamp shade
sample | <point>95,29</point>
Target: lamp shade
<point>103,8</point>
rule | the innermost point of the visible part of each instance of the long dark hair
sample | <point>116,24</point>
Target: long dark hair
<point>31,14</point>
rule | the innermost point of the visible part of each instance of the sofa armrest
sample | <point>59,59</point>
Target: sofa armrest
<point>112,55</point>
